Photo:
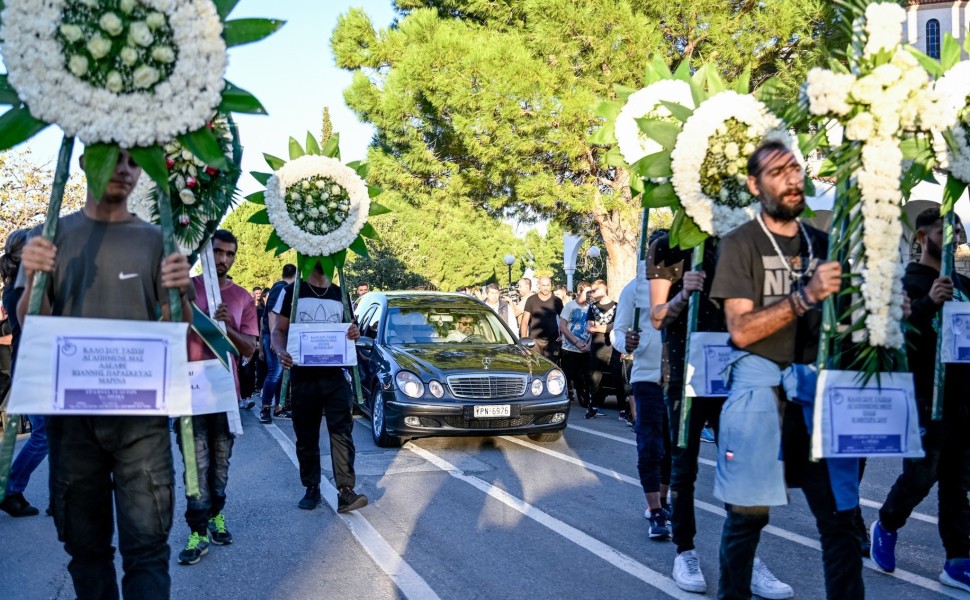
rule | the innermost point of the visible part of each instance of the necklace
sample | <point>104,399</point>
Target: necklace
<point>794,276</point>
<point>314,290</point>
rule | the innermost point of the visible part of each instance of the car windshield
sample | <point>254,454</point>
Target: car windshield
<point>445,325</point>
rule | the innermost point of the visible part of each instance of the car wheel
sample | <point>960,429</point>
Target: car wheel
<point>378,426</point>
<point>552,436</point>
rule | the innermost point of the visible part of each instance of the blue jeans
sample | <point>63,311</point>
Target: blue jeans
<point>213,449</point>
<point>97,464</point>
<point>30,456</point>
<point>274,375</point>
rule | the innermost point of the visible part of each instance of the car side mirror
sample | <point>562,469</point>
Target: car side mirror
<point>527,343</point>
<point>365,345</point>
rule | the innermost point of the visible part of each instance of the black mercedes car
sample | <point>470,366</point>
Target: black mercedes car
<point>438,364</point>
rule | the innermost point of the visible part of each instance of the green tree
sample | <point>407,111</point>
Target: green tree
<point>254,265</point>
<point>489,103</point>
<point>25,192</point>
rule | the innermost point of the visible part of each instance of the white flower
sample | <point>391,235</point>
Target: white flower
<point>163,54</point>
<point>141,34</point>
<point>144,76</point>
<point>306,240</point>
<point>78,65</point>
<point>155,20</point>
<point>127,6</point>
<point>129,55</point>
<point>642,103</point>
<point>187,196</point>
<point>860,127</point>
<point>99,47</point>
<point>55,93</point>
<point>71,33</point>
<point>867,90</point>
<point>111,24</point>
<point>114,82</point>
<point>884,26</point>
<point>731,151</point>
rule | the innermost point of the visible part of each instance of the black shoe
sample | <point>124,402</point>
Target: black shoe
<point>16,505</point>
<point>247,404</point>
<point>311,499</point>
<point>283,414</point>
<point>592,413</point>
<point>264,417</point>
<point>348,500</point>
<point>861,533</point>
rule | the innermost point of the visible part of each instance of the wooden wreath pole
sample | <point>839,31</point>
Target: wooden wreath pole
<point>36,300</point>
<point>349,316</point>
<point>175,310</point>
<point>693,310</point>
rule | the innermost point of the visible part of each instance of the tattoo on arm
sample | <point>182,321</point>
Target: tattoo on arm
<point>748,325</point>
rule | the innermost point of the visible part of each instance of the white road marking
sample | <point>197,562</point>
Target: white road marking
<point>412,585</point>
<point>710,463</point>
<point>923,582</point>
<point>611,555</point>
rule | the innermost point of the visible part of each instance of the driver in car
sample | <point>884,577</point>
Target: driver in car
<point>464,327</point>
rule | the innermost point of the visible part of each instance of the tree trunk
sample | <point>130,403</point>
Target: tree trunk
<point>620,228</point>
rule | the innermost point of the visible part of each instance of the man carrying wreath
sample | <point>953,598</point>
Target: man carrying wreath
<point>771,278</point>
<point>318,391</point>
<point>105,263</point>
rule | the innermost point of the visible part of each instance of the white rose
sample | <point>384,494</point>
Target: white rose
<point>71,33</point>
<point>887,74</point>
<point>78,65</point>
<point>144,77</point>
<point>163,54</point>
<point>127,6</point>
<point>332,205</point>
<point>99,47</point>
<point>335,190</point>
<point>749,149</point>
<point>731,151</point>
<point>732,169</point>
<point>186,196</point>
<point>140,34</point>
<point>129,55</point>
<point>111,24</point>
<point>155,20</point>
<point>866,90</point>
<point>861,127</point>
<point>314,212</point>
<point>321,184</point>
<point>114,82</point>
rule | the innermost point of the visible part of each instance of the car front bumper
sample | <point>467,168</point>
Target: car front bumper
<point>429,417</point>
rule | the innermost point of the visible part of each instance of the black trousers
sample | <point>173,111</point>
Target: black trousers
<point>97,463</point>
<point>317,391</point>
<point>947,461</point>
<point>840,546</point>
<point>684,460</point>
<point>575,365</point>
<point>549,348</point>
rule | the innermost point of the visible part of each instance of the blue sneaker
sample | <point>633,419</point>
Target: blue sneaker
<point>707,435</point>
<point>956,573</point>
<point>883,550</point>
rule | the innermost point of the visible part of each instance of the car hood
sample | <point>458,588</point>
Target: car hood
<point>439,359</point>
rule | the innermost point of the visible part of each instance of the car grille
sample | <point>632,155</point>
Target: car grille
<point>488,386</point>
<point>463,423</point>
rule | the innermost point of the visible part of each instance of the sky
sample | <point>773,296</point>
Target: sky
<point>294,76</point>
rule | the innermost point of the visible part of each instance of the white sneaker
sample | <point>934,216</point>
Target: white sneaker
<point>766,585</point>
<point>687,572</point>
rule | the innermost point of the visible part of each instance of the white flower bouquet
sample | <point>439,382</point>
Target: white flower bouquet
<point>317,205</point>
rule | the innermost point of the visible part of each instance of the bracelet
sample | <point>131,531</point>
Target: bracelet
<point>794,301</point>
<point>804,297</point>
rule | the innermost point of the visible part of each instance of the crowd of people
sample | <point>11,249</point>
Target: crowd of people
<point>762,284</point>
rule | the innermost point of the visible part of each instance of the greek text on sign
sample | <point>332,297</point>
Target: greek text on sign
<point>709,355</point>
<point>101,373</point>
<point>868,420</point>
<point>321,345</point>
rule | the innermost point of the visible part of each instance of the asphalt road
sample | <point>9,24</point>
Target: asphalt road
<point>457,518</point>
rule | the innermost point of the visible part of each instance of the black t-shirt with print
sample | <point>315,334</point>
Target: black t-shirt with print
<point>315,305</point>
<point>601,313</point>
<point>664,262</point>
<point>543,317</point>
<point>748,266</point>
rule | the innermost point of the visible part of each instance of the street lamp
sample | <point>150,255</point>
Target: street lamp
<point>592,256</point>
<point>509,261</point>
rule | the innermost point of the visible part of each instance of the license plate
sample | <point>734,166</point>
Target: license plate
<point>492,411</point>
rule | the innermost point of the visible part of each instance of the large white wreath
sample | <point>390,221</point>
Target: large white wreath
<point>694,145</point>
<point>955,88</point>
<point>644,103</point>
<point>292,228</point>
<point>50,83</point>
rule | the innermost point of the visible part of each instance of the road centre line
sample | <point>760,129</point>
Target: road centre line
<point>918,580</point>
<point>601,550</point>
<point>710,463</point>
<point>412,585</point>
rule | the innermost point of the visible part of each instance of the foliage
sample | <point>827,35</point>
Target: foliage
<point>25,191</point>
<point>488,103</point>
<point>326,126</point>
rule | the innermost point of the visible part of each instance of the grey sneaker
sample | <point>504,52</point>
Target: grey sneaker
<point>765,584</point>
<point>687,572</point>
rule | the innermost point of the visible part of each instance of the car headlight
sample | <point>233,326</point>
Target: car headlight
<point>556,382</point>
<point>536,387</point>
<point>437,390</point>
<point>410,384</point>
